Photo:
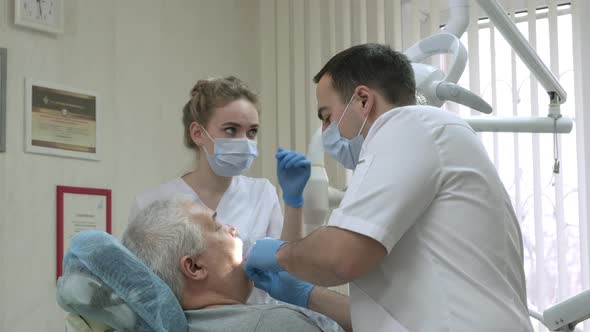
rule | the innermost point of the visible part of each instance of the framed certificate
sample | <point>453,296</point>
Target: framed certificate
<point>61,121</point>
<point>2,99</point>
<point>80,209</point>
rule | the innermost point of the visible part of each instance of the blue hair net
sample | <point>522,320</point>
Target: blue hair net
<point>103,281</point>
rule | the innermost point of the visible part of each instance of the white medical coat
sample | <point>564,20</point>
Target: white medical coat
<point>427,191</point>
<point>249,204</point>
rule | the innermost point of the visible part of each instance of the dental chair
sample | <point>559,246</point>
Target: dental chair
<point>105,288</point>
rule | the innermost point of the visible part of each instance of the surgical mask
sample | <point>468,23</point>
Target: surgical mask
<point>231,156</point>
<point>345,151</point>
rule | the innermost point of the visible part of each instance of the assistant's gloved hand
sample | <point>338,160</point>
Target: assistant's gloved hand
<point>262,256</point>
<point>293,171</point>
<point>283,287</point>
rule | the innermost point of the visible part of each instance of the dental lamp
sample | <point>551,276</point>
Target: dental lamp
<point>566,315</point>
<point>524,50</point>
<point>434,88</point>
<point>432,85</point>
<point>554,122</point>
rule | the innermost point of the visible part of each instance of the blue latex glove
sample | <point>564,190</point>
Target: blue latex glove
<point>293,171</point>
<point>262,256</point>
<point>283,287</point>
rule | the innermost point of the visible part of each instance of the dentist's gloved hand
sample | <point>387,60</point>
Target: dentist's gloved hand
<point>262,257</point>
<point>293,171</point>
<point>283,287</point>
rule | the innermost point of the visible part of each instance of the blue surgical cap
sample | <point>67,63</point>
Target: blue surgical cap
<point>118,286</point>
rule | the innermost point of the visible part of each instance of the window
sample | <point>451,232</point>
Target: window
<point>546,204</point>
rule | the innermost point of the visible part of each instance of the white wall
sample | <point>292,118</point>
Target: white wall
<point>142,57</point>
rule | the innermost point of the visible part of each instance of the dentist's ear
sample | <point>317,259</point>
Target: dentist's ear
<point>366,98</point>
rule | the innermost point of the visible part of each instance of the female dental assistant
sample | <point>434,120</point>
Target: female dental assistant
<point>221,126</point>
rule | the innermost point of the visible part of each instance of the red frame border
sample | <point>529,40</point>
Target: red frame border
<point>60,191</point>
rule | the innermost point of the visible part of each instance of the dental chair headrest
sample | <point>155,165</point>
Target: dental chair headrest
<point>103,281</point>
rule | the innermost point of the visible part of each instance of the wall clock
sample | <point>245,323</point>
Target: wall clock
<point>44,15</point>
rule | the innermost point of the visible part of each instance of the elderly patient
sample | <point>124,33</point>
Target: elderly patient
<point>201,260</point>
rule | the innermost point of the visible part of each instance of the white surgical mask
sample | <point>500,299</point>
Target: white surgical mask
<point>231,156</point>
<point>345,151</point>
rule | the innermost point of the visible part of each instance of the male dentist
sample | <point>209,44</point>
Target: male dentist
<point>426,234</point>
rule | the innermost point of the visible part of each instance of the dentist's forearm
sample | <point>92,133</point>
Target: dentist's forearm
<point>314,259</point>
<point>331,304</point>
<point>292,224</point>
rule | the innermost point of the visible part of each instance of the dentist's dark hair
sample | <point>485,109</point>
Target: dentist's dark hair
<point>376,66</point>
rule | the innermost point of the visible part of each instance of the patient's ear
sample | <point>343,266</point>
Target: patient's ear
<point>193,268</point>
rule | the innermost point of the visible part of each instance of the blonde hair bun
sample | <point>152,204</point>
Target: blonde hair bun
<point>209,94</point>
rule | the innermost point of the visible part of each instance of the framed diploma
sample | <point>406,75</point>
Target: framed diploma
<point>2,99</point>
<point>80,209</point>
<point>61,121</point>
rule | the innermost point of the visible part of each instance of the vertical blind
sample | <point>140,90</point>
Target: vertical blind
<point>546,204</point>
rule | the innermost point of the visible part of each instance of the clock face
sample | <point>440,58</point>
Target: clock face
<point>42,12</point>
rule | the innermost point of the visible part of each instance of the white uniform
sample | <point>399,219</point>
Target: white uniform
<point>427,191</point>
<point>249,204</point>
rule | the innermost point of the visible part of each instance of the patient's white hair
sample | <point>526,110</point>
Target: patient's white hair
<point>161,234</point>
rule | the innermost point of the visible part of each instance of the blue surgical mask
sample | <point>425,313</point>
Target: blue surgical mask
<point>231,156</point>
<point>345,151</point>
